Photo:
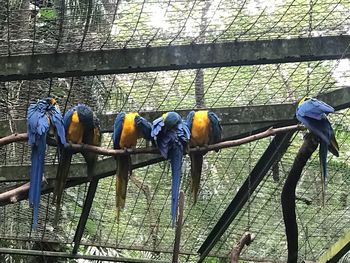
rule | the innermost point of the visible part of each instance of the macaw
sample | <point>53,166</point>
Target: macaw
<point>82,127</point>
<point>128,127</point>
<point>205,129</point>
<point>171,135</point>
<point>312,113</point>
<point>43,118</point>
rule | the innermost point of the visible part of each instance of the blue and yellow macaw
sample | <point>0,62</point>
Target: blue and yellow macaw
<point>128,127</point>
<point>42,118</point>
<point>171,135</point>
<point>205,129</point>
<point>312,113</point>
<point>82,127</point>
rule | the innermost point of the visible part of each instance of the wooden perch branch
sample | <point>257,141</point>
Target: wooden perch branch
<point>16,137</point>
<point>288,195</point>
<point>12,196</point>
<point>246,239</point>
<point>111,152</point>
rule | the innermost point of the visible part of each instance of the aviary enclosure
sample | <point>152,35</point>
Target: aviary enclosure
<point>248,61</point>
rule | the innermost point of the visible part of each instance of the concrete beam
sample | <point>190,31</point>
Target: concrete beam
<point>236,120</point>
<point>77,170</point>
<point>132,60</point>
<point>246,117</point>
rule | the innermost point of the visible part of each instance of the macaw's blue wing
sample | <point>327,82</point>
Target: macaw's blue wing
<point>38,126</point>
<point>183,132</point>
<point>57,122</point>
<point>157,126</point>
<point>314,109</point>
<point>144,126</point>
<point>321,128</point>
<point>117,130</point>
<point>216,128</point>
<point>67,118</point>
<point>189,120</point>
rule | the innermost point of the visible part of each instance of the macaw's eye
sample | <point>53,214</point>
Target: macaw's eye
<point>53,101</point>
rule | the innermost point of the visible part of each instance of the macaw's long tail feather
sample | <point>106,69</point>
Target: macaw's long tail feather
<point>123,172</point>
<point>91,160</point>
<point>323,162</point>
<point>36,174</point>
<point>175,156</point>
<point>61,177</point>
<point>196,171</point>
<point>333,146</point>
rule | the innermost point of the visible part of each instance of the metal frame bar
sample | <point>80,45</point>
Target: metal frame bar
<point>259,171</point>
<point>273,153</point>
<point>85,214</point>
<point>116,61</point>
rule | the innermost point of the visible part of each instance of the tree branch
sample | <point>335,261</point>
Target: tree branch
<point>288,195</point>
<point>16,137</point>
<point>246,239</point>
<point>111,152</point>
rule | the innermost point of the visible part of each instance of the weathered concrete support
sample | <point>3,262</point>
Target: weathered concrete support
<point>173,57</point>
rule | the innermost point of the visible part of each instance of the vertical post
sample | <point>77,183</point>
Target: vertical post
<point>179,227</point>
<point>85,213</point>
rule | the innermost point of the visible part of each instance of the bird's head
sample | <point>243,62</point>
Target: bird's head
<point>51,101</point>
<point>303,100</point>
<point>171,119</point>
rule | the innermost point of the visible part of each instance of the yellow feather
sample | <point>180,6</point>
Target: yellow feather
<point>75,129</point>
<point>129,135</point>
<point>200,129</point>
<point>303,100</point>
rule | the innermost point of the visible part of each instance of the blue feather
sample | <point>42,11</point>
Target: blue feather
<point>67,118</point>
<point>171,135</point>
<point>90,124</point>
<point>189,120</point>
<point>144,127</point>
<point>312,113</point>
<point>38,117</point>
<point>216,128</point>
<point>175,156</point>
<point>314,109</point>
<point>118,127</point>
<point>157,127</point>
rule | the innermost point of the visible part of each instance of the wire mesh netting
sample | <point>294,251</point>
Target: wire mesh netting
<point>145,223</point>
<point>55,26</point>
<point>144,228</point>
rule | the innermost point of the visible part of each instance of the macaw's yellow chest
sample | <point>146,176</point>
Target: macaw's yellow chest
<point>129,135</point>
<point>200,129</point>
<point>75,130</point>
